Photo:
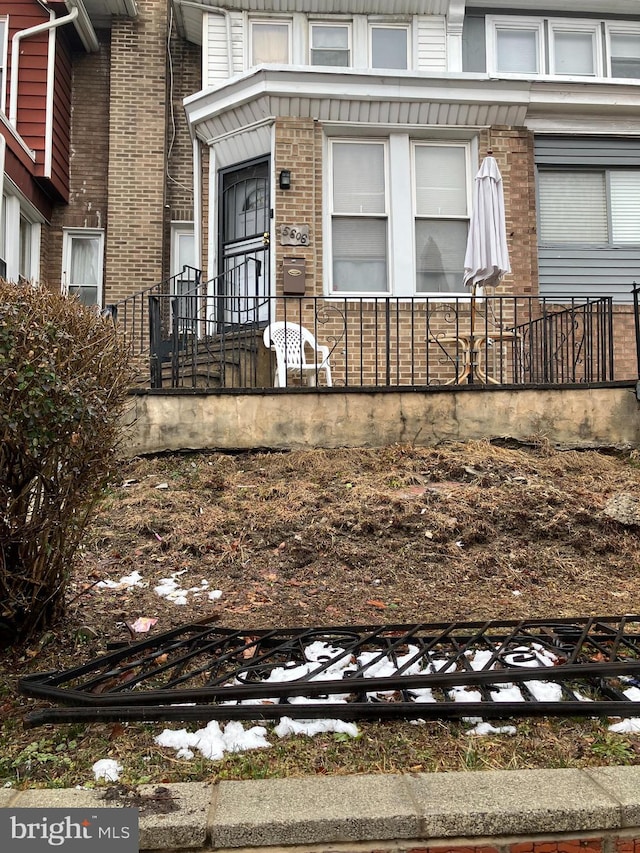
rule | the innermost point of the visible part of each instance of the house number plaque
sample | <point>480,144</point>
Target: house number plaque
<point>294,235</point>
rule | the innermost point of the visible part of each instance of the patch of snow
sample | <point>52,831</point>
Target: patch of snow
<point>287,727</point>
<point>482,729</point>
<point>628,726</point>
<point>134,579</point>
<point>107,769</point>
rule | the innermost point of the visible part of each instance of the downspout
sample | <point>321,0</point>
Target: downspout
<point>51,24</point>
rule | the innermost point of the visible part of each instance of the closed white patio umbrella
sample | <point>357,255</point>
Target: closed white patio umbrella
<point>487,256</point>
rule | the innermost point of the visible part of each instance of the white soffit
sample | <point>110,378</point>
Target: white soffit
<point>243,146</point>
<point>357,98</point>
<point>189,12</point>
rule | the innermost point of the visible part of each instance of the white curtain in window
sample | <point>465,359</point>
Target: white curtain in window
<point>440,176</point>
<point>517,50</point>
<point>269,43</point>
<point>84,269</point>
<point>358,178</point>
<point>440,249</point>
<point>573,207</point>
<point>625,206</point>
<point>574,53</point>
<point>359,255</point>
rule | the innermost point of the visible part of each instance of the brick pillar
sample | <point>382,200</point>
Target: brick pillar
<point>137,152</point>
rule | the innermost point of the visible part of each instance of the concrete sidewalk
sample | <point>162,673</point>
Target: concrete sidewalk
<point>390,812</point>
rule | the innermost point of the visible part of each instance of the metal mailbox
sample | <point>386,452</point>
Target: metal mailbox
<point>295,274</point>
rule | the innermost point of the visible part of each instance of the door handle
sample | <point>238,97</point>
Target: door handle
<point>266,238</point>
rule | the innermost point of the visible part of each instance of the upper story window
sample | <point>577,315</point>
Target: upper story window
<point>270,42</point>
<point>389,46</point>
<point>574,48</point>
<point>517,46</point>
<point>623,50</point>
<point>562,47</point>
<point>330,44</point>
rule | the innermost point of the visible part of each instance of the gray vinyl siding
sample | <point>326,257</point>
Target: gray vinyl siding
<point>581,270</point>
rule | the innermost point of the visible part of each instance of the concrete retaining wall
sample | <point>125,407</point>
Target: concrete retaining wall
<point>567,418</point>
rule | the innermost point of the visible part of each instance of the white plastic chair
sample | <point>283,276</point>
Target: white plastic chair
<point>291,344</point>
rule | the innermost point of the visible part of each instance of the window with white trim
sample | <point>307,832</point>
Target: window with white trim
<point>388,46</point>
<point>21,227</point>
<point>398,215</point>
<point>516,45</point>
<point>82,261</point>
<point>589,207</point>
<point>330,44</point>
<point>574,48</point>
<point>270,41</point>
<point>562,47</point>
<point>359,217</point>
<point>441,216</point>
<point>623,50</point>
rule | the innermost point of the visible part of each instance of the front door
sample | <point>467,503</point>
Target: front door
<point>244,228</point>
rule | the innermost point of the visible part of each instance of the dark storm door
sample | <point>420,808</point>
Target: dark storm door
<point>245,233</point>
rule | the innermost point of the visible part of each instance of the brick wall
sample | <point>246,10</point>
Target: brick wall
<point>137,151</point>
<point>87,206</point>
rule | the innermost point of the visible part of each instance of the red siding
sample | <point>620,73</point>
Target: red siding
<point>32,94</point>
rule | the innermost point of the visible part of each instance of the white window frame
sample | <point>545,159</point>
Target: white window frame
<point>348,25</point>
<point>68,236</point>
<point>400,205</point>
<point>568,25</point>
<point>332,214</point>
<point>415,216</point>
<point>496,23</point>
<point>285,22</point>
<point>4,42</point>
<point>16,208</point>
<point>380,25</point>
<point>618,29</point>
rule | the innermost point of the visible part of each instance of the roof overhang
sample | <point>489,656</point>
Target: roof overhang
<point>361,97</point>
<point>189,12</point>
<point>410,101</point>
<point>100,12</point>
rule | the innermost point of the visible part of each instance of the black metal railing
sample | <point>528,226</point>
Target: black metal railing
<point>576,666</point>
<point>210,334</point>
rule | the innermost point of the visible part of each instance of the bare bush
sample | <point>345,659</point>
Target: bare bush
<point>64,377</point>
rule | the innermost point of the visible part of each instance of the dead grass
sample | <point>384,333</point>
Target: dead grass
<point>400,534</point>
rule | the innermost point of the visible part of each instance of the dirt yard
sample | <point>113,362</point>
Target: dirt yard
<point>401,534</point>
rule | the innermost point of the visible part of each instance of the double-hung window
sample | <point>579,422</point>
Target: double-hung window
<point>389,46</point>
<point>21,229</point>
<point>359,216</point>
<point>331,44</point>
<point>270,41</point>
<point>441,215</point>
<point>83,250</point>
<point>589,207</point>
<point>623,50</point>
